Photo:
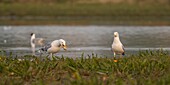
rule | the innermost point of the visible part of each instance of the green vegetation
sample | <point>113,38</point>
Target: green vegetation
<point>144,68</point>
<point>89,1</point>
<point>84,14</point>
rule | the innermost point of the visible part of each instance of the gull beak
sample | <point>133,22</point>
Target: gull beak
<point>65,47</point>
<point>115,35</point>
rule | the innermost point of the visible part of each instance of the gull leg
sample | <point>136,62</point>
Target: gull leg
<point>33,51</point>
<point>51,56</point>
<point>114,55</point>
<point>114,59</point>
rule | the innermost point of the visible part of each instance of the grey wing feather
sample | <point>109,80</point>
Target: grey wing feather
<point>46,47</point>
<point>123,50</point>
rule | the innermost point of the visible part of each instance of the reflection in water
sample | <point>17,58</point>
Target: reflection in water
<point>97,38</point>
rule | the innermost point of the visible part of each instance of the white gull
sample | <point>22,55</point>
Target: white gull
<point>36,41</point>
<point>117,46</point>
<point>54,46</point>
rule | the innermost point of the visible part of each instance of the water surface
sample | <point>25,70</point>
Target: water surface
<point>86,39</point>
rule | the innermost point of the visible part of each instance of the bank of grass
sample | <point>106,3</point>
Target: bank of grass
<point>144,68</point>
<point>84,14</point>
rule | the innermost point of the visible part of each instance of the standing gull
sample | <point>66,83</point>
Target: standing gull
<point>54,47</point>
<point>35,41</point>
<point>117,46</point>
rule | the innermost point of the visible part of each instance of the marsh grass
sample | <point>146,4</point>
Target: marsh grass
<point>84,14</point>
<point>146,67</point>
<point>43,9</point>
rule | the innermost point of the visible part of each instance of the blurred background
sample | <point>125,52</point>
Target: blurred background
<point>86,25</point>
<point>84,12</point>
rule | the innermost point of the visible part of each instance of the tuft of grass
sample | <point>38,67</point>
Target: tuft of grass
<point>146,67</point>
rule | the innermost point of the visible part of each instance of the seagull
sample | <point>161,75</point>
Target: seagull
<point>54,46</point>
<point>36,41</point>
<point>117,46</point>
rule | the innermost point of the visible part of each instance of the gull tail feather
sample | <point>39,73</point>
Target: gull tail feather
<point>123,53</point>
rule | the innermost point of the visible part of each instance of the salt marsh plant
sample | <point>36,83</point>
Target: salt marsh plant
<point>146,67</point>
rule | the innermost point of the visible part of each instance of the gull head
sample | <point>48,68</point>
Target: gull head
<point>63,44</point>
<point>116,34</point>
<point>32,34</point>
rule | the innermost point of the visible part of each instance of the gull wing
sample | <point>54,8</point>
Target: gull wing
<point>123,50</point>
<point>46,47</point>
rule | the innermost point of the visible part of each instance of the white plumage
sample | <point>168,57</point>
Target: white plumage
<point>117,46</point>
<point>55,46</point>
<point>36,41</point>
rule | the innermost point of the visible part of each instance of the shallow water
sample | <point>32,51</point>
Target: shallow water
<point>85,39</point>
